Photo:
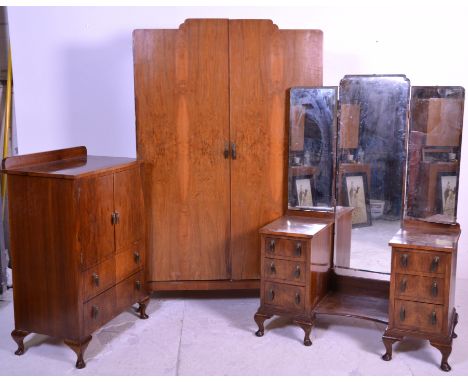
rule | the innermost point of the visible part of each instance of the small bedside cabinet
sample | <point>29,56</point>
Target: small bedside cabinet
<point>77,243</point>
<point>295,264</point>
<point>422,289</point>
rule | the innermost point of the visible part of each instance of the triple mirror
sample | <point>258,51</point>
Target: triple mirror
<point>365,167</point>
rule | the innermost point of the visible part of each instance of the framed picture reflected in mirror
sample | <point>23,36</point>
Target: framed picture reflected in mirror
<point>303,191</point>
<point>357,196</point>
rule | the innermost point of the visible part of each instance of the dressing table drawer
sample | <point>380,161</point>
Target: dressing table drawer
<point>284,296</point>
<point>420,288</point>
<point>418,316</point>
<point>284,270</point>
<point>409,261</point>
<point>289,248</point>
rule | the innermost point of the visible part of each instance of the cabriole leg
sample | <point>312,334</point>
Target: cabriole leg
<point>142,308</point>
<point>260,319</point>
<point>445,350</point>
<point>388,342</point>
<point>18,337</point>
<point>79,348</point>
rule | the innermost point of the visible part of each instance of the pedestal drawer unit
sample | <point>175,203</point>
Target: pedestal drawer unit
<point>77,243</point>
<point>422,289</point>
<point>296,257</point>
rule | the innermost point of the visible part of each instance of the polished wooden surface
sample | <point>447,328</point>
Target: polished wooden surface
<point>211,130</point>
<point>422,292</point>
<point>296,260</point>
<point>182,111</point>
<point>343,227</point>
<point>204,285</point>
<point>44,158</point>
<point>264,62</point>
<point>67,278</point>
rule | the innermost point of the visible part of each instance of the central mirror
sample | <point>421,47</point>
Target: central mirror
<point>371,165</point>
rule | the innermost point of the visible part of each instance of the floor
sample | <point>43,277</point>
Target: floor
<point>212,334</point>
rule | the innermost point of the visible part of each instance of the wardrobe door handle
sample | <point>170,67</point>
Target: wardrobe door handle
<point>233,151</point>
<point>434,289</point>
<point>138,285</point>
<point>94,312</point>
<point>96,279</point>
<point>226,151</point>
<point>435,263</point>
<point>136,257</point>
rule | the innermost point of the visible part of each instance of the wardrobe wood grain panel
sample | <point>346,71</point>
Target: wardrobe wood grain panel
<point>264,63</point>
<point>182,108</point>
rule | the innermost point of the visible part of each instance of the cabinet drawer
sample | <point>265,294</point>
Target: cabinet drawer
<point>100,310</point>
<point>99,278</point>
<point>284,296</point>
<point>280,247</point>
<point>129,261</point>
<point>130,291</point>
<point>420,288</point>
<point>418,316</point>
<point>420,261</point>
<point>284,270</point>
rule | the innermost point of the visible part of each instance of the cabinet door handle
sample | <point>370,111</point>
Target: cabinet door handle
<point>271,245</point>
<point>298,251</point>
<point>403,285</point>
<point>94,312</point>
<point>404,260</point>
<point>96,279</point>
<point>433,318</point>
<point>226,151</point>
<point>297,299</point>
<point>233,151</point>
<point>297,271</point>
<point>115,217</point>
<point>435,263</point>
<point>136,257</point>
<point>434,289</point>
<point>272,268</point>
<point>402,314</point>
<point>271,294</point>
<point>138,285</point>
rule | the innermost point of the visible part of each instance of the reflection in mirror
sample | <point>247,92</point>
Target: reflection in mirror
<point>311,148</point>
<point>436,122</point>
<point>371,164</point>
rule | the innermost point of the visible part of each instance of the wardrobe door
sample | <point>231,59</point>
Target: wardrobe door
<point>264,63</point>
<point>182,109</point>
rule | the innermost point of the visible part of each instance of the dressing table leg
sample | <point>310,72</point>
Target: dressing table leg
<point>455,322</point>
<point>388,342</point>
<point>79,348</point>
<point>307,327</point>
<point>445,350</point>
<point>18,337</point>
<point>260,319</point>
<point>142,308</point>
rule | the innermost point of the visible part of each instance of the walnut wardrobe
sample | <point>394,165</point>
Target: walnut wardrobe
<point>211,106</point>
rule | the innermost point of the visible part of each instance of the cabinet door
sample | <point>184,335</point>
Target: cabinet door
<point>182,109</point>
<point>96,201</point>
<point>264,63</point>
<point>128,204</point>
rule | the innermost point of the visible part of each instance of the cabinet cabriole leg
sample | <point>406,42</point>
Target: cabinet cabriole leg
<point>79,348</point>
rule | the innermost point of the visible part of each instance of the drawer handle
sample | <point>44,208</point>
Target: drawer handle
<point>433,318</point>
<point>271,245</point>
<point>402,314</point>
<point>94,312</point>
<point>298,249</point>
<point>435,263</point>
<point>297,299</point>
<point>136,257</point>
<point>96,279</point>
<point>403,285</point>
<point>434,289</point>
<point>297,271</point>
<point>404,260</point>
<point>272,268</point>
<point>271,294</point>
<point>138,285</point>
